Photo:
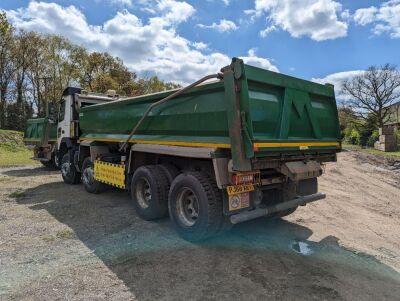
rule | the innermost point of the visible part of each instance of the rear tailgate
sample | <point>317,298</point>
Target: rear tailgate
<point>36,131</point>
<point>290,114</point>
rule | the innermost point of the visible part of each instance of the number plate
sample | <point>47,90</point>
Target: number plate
<point>237,189</point>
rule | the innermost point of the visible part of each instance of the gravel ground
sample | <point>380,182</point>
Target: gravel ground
<point>58,242</point>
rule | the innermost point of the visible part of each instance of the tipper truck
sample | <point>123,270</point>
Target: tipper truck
<point>247,145</point>
<point>44,134</point>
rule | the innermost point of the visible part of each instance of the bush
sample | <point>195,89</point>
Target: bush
<point>352,136</point>
<point>373,138</point>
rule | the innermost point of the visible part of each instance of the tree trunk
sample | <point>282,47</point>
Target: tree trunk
<point>3,93</point>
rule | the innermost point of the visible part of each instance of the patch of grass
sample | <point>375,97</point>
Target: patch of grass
<point>5,179</point>
<point>65,234</point>
<point>395,155</point>
<point>16,158</point>
<point>48,238</point>
<point>380,153</point>
<point>17,194</point>
<point>13,152</point>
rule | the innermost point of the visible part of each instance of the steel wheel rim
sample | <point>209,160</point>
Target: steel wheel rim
<point>65,169</point>
<point>88,176</point>
<point>56,162</point>
<point>187,207</point>
<point>143,193</point>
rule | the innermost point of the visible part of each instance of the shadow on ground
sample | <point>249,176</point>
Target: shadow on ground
<point>256,260</point>
<point>22,172</point>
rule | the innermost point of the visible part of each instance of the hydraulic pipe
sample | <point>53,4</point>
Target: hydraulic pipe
<point>169,97</point>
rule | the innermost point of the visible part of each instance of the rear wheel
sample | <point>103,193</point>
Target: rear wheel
<point>149,192</point>
<point>48,164</point>
<point>68,171</point>
<point>170,171</point>
<point>195,206</point>
<point>52,163</point>
<point>89,182</point>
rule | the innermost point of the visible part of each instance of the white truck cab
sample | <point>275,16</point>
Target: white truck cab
<point>68,114</point>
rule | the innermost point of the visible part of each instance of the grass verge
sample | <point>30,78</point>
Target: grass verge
<point>372,151</point>
<point>13,152</point>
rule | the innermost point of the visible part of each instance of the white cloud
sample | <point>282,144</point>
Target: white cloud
<point>223,26</point>
<point>175,11</point>
<point>337,79</point>
<point>264,33</point>
<point>200,45</point>
<point>345,15</point>
<point>364,16</point>
<point>385,19</point>
<point>145,47</point>
<point>317,19</point>
<point>254,60</point>
<point>225,2</point>
<point>127,3</point>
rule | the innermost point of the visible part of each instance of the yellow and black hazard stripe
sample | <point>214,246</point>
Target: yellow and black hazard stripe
<point>110,173</point>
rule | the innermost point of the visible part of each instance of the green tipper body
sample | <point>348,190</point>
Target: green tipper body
<point>252,111</point>
<point>36,131</point>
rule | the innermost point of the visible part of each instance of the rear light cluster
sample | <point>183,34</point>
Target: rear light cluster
<point>245,178</point>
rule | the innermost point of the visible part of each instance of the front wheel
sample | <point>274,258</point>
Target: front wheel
<point>195,206</point>
<point>89,182</point>
<point>68,171</point>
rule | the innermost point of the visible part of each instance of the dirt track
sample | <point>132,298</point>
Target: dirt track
<point>59,243</point>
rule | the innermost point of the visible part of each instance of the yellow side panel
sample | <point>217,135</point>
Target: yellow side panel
<point>109,173</point>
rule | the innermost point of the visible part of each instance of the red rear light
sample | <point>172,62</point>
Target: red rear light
<point>239,179</point>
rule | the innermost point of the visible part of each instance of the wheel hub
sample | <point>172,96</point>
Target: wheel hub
<point>65,169</point>
<point>88,176</point>
<point>188,207</point>
<point>143,193</point>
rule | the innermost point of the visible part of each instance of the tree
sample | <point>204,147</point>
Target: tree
<point>36,68</point>
<point>152,85</point>
<point>23,56</point>
<point>347,117</point>
<point>6,63</point>
<point>372,91</point>
<point>36,71</point>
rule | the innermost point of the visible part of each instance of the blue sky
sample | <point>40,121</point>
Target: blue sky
<point>324,40</point>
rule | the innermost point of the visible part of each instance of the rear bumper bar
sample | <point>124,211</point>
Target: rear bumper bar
<point>299,201</point>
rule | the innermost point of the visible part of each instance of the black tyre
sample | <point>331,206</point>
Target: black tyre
<point>52,164</point>
<point>170,171</point>
<point>195,206</point>
<point>56,161</point>
<point>68,171</point>
<point>48,164</point>
<point>149,192</point>
<point>88,180</point>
